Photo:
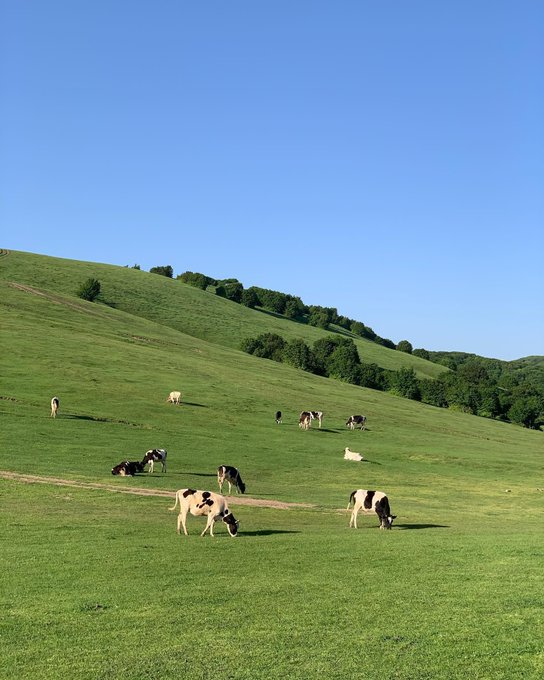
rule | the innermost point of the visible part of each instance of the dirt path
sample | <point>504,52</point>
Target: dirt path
<point>233,500</point>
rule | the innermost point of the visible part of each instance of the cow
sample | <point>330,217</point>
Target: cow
<point>229,474</point>
<point>155,456</point>
<point>55,403</point>
<point>317,415</point>
<point>204,503</point>
<point>356,421</point>
<point>278,417</point>
<point>369,501</point>
<point>128,468</point>
<point>351,455</point>
<point>174,398</point>
<point>305,419</point>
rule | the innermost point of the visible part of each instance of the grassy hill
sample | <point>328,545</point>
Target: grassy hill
<point>180,306</point>
<point>98,585</point>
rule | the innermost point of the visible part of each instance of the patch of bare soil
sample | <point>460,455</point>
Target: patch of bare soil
<point>57,481</point>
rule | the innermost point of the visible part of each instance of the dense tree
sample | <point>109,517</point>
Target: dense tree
<point>433,392</point>
<point>405,346</point>
<point>267,346</point>
<point>250,298</point>
<point>163,271</point>
<point>197,279</point>
<point>404,383</point>
<point>89,290</point>
<point>372,376</point>
<point>526,411</point>
<point>297,353</point>
<point>422,353</point>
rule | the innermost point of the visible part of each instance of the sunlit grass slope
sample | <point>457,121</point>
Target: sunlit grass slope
<point>99,586</point>
<point>180,306</point>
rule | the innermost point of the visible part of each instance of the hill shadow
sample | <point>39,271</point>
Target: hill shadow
<point>267,532</point>
<point>405,527</point>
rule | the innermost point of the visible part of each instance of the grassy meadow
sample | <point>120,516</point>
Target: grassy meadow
<point>98,585</point>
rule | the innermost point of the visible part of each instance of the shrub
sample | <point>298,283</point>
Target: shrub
<point>266,346</point>
<point>163,271</point>
<point>197,280</point>
<point>405,384</point>
<point>89,290</point>
<point>405,346</point>
<point>296,353</point>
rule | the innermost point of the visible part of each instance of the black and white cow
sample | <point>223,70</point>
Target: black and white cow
<point>305,419</point>
<point>371,501</point>
<point>155,456</point>
<point>128,468</point>
<point>278,417</point>
<point>204,503</point>
<point>356,421</point>
<point>317,415</point>
<point>231,475</point>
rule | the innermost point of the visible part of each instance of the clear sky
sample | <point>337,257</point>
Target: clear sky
<point>384,158</point>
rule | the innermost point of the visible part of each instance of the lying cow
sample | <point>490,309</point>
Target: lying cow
<point>174,398</point>
<point>204,503</point>
<point>128,468</point>
<point>351,455</point>
<point>371,501</point>
<point>229,474</point>
<point>55,403</point>
<point>155,456</point>
<point>356,421</point>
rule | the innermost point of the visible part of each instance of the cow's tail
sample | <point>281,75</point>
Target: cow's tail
<point>351,499</point>
<point>175,504</point>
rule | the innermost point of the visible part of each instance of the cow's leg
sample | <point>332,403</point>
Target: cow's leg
<point>230,486</point>
<point>353,520</point>
<point>182,521</point>
<point>209,525</point>
<point>164,465</point>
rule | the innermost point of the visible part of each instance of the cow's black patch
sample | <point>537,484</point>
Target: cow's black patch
<point>188,492</point>
<point>368,499</point>
<point>206,494</point>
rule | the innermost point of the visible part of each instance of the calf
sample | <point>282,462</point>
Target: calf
<point>55,403</point>
<point>226,473</point>
<point>128,468</point>
<point>351,455</point>
<point>278,417</point>
<point>155,456</point>
<point>174,398</point>
<point>204,503</point>
<point>356,421</point>
<point>369,501</point>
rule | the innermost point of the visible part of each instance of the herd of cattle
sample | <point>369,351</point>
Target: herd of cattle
<point>215,506</point>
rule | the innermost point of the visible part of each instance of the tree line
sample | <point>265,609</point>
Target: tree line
<point>477,385</point>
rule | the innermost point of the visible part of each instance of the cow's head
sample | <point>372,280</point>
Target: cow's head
<point>232,523</point>
<point>387,522</point>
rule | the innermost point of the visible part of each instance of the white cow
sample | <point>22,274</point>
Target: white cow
<point>204,503</point>
<point>174,398</point>
<point>351,455</point>
<point>55,403</point>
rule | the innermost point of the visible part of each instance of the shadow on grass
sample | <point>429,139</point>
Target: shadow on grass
<point>197,474</point>
<point>267,532</point>
<point>404,527</point>
<point>193,403</point>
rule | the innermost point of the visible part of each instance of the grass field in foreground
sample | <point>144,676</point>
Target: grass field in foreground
<point>98,585</point>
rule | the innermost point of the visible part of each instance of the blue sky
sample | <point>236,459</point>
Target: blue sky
<point>384,158</point>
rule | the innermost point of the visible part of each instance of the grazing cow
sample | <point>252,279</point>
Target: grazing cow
<point>155,456</point>
<point>356,421</point>
<point>305,419</point>
<point>229,474</point>
<point>55,403</point>
<point>204,503</point>
<point>369,501</point>
<point>317,415</point>
<point>174,398</point>
<point>351,455</point>
<point>278,417</point>
<point>128,468</point>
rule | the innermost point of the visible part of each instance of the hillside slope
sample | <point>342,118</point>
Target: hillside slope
<point>180,306</point>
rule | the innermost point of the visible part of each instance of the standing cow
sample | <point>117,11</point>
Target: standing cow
<point>356,421</point>
<point>174,398</point>
<point>371,501</point>
<point>55,403</point>
<point>204,503</point>
<point>155,456</point>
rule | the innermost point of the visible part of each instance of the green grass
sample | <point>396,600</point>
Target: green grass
<point>98,585</point>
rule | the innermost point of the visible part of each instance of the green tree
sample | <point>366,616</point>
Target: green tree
<point>296,353</point>
<point>526,411</point>
<point>405,384</point>
<point>250,298</point>
<point>405,346</point>
<point>422,354</point>
<point>163,271</point>
<point>266,346</point>
<point>89,290</point>
<point>197,279</point>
